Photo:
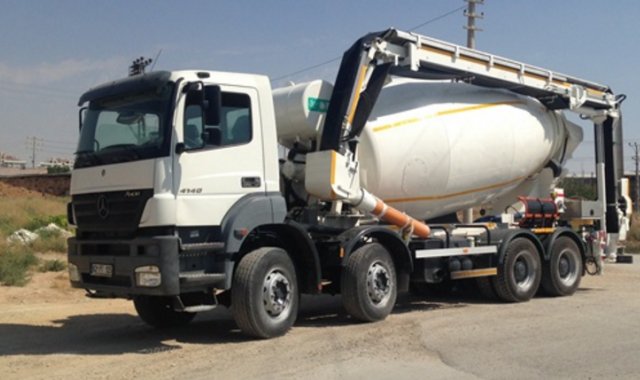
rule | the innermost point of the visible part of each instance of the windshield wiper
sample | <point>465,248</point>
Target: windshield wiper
<point>114,152</point>
<point>87,157</point>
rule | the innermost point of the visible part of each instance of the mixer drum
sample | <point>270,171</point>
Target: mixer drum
<point>430,149</point>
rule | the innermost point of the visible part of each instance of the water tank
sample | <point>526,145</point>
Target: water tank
<point>300,111</point>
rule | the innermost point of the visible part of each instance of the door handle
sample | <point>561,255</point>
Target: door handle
<point>251,182</point>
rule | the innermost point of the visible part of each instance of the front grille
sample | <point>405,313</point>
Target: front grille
<point>104,250</point>
<point>116,211</point>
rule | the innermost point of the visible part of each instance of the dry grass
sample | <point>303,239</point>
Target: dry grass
<point>15,264</point>
<point>24,209</point>
<point>29,212</point>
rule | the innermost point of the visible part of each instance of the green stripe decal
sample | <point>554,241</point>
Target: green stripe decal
<point>317,104</point>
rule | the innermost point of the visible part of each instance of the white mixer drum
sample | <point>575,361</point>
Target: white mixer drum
<point>430,149</point>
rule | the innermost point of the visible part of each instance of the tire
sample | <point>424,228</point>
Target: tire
<point>561,275</point>
<point>485,287</point>
<point>368,283</point>
<point>264,293</point>
<point>519,274</point>
<point>158,312</point>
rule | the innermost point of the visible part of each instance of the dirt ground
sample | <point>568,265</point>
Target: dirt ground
<point>7,190</point>
<point>48,331</point>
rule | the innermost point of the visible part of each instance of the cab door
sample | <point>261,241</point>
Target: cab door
<point>219,164</point>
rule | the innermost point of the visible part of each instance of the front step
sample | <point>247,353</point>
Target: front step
<point>200,278</point>
<point>199,308</point>
<point>217,246</point>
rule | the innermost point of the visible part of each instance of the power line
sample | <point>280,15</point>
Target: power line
<point>337,58</point>
<point>306,69</point>
<point>437,18</point>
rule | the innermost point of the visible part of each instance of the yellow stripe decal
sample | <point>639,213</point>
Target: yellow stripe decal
<point>453,195</point>
<point>333,173</point>
<point>483,272</point>
<point>444,113</point>
<point>356,98</point>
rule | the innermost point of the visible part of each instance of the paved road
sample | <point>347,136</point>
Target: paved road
<point>594,334</point>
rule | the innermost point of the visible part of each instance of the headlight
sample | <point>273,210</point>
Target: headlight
<point>148,276</point>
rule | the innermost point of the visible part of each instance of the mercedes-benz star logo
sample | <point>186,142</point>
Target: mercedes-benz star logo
<point>102,207</point>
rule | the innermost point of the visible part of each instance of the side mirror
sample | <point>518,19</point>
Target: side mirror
<point>212,105</point>
<point>195,96</point>
<point>212,136</point>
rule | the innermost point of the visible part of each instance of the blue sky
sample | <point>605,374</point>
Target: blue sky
<point>52,51</point>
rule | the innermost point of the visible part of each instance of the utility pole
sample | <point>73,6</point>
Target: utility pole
<point>471,28</point>
<point>33,143</point>
<point>636,158</point>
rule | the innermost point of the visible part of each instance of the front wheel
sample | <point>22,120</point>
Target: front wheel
<point>264,293</point>
<point>561,275</point>
<point>368,283</point>
<point>158,312</point>
<point>519,274</point>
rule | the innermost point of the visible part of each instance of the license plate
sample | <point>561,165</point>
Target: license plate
<point>102,270</point>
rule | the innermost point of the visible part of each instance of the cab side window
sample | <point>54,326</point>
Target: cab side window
<point>234,129</point>
<point>193,127</point>
<point>235,123</point>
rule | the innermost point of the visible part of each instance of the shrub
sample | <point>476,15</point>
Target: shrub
<point>57,169</point>
<point>53,266</point>
<point>49,242</point>
<point>15,262</point>
<point>44,220</point>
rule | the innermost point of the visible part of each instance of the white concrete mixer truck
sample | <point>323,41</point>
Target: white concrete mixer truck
<point>183,200</point>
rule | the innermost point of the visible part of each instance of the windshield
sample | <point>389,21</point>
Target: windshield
<point>126,128</point>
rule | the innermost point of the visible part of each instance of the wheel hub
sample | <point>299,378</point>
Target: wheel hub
<point>568,269</point>
<point>564,267</point>
<point>520,271</point>
<point>378,283</point>
<point>276,293</point>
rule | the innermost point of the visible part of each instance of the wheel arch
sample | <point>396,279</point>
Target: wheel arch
<point>294,240</point>
<point>510,235</point>
<point>353,238</point>
<point>560,232</point>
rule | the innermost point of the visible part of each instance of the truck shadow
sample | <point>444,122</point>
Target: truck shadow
<point>114,334</point>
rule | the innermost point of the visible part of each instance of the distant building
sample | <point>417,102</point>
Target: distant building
<point>56,162</point>
<point>8,161</point>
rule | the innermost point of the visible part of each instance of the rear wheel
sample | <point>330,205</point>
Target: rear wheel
<point>368,283</point>
<point>562,274</point>
<point>519,273</point>
<point>158,312</point>
<point>265,293</point>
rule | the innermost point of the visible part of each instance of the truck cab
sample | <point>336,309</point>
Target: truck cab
<point>171,164</point>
